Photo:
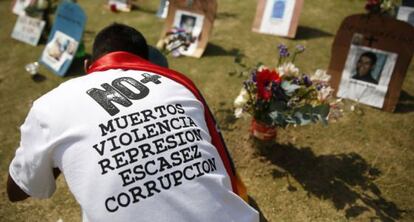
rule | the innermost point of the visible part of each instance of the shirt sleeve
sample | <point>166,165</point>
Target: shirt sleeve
<point>32,166</point>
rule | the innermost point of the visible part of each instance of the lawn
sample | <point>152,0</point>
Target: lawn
<point>359,168</point>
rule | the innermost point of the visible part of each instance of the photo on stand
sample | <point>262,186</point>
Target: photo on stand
<point>60,49</point>
<point>191,23</point>
<point>367,74</point>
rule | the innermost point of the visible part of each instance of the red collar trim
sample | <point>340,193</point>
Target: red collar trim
<point>119,60</point>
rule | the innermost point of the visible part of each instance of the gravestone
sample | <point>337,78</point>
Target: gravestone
<point>278,17</point>
<point>64,38</point>
<point>28,29</point>
<point>193,16</point>
<point>370,58</point>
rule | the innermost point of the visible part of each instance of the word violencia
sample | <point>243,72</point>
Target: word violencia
<point>150,151</point>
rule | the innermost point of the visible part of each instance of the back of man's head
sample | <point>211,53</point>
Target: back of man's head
<point>118,37</point>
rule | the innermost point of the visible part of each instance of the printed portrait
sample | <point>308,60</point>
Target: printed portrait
<point>60,49</point>
<point>366,75</point>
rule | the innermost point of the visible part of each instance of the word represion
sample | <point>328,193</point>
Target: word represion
<point>150,151</point>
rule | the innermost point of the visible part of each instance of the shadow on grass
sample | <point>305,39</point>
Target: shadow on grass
<point>216,50</point>
<point>345,179</point>
<point>38,77</point>
<point>405,103</point>
<point>254,204</point>
<point>138,8</point>
<point>225,117</point>
<point>225,15</point>
<point>305,32</point>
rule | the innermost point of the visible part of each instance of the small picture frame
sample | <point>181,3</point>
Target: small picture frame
<point>28,29</point>
<point>191,23</point>
<point>195,17</point>
<point>366,75</point>
<point>278,17</point>
<point>60,49</point>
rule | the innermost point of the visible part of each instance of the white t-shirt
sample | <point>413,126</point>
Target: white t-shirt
<point>132,146</point>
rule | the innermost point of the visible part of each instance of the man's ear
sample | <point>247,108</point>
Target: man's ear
<point>86,64</point>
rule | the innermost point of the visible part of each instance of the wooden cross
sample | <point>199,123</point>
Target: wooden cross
<point>371,40</point>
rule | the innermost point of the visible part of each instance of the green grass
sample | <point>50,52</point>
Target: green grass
<point>358,169</point>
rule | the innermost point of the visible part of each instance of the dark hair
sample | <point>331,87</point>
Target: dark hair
<point>371,56</point>
<point>119,37</point>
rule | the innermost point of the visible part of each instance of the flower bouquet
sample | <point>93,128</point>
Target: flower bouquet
<point>282,96</point>
<point>386,7</point>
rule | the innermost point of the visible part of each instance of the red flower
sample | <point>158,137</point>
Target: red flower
<point>265,78</point>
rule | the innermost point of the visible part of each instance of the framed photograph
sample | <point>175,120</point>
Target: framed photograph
<point>192,23</point>
<point>278,17</point>
<point>60,49</point>
<point>187,27</point>
<point>359,48</point>
<point>28,30</point>
<point>366,75</point>
<point>406,14</point>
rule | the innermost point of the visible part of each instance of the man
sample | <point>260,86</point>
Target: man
<point>365,66</point>
<point>135,142</point>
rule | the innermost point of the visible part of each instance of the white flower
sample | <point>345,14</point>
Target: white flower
<point>288,69</point>
<point>238,112</point>
<point>324,93</point>
<point>241,99</point>
<point>320,76</point>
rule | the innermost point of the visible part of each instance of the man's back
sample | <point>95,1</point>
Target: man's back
<point>133,146</point>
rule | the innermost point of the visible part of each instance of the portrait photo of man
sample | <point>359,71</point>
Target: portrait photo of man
<point>366,75</point>
<point>365,67</point>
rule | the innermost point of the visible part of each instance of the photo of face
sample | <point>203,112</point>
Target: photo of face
<point>187,23</point>
<point>365,66</point>
<point>366,75</point>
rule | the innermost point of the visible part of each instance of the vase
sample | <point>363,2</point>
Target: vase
<point>262,131</point>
